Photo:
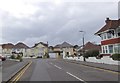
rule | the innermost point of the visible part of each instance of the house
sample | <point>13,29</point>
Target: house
<point>110,37</point>
<point>66,49</point>
<point>0,49</point>
<point>89,46</point>
<point>39,49</point>
<point>7,49</point>
<point>20,48</point>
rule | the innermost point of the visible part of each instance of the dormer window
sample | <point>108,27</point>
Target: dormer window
<point>109,35</point>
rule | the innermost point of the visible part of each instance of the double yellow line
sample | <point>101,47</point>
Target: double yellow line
<point>19,74</point>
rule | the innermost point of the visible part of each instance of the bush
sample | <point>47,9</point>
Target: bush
<point>39,56</point>
<point>116,57</point>
<point>12,57</point>
<point>91,53</point>
<point>19,58</point>
<point>46,55</point>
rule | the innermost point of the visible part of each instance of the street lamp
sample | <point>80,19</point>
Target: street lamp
<point>83,45</point>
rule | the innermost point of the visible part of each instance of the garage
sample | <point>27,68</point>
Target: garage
<point>52,55</point>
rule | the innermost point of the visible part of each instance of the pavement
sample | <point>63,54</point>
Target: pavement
<point>0,74</point>
<point>98,65</point>
<point>10,68</point>
<point>62,70</point>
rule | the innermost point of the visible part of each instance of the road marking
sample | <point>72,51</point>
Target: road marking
<point>23,71</point>
<point>75,77</point>
<point>51,63</point>
<point>14,80</point>
<point>110,71</point>
<point>58,67</point>
<point>101,69</point>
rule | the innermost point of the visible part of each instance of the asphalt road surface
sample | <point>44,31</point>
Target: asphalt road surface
<point>61,70</point>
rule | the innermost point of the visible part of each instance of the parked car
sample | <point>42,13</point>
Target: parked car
<point>2,58</point>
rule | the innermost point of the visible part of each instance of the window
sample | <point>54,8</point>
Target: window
<point>67,53</point>
<point>106,51</point>
<point>105,36</point>
<point>118,31</point>
<point>110,48</point>
<point>18,49</point>
<point>109,35</point>
<point>117,48</point>
<point>102,36</point>
<point>103,49</point>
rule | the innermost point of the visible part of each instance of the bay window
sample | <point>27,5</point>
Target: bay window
<point>117,48</point>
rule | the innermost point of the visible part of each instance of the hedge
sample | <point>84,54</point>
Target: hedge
<point>91,53</point>
<point>116,57</point>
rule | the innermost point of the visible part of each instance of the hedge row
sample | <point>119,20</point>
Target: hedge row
<point>116,57</point>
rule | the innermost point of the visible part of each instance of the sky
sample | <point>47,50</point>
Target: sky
<point>55,21</point>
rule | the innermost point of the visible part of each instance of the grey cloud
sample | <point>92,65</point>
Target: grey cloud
<point>59,23</point>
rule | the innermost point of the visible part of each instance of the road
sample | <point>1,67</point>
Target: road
<point>61,70</point>
<point>10,67</point>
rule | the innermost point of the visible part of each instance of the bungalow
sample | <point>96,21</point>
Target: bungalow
<point>90,46</point>
<point>110,37</point>
<point>39,49</point>
<point>20,48</point>
<point>7,49</point>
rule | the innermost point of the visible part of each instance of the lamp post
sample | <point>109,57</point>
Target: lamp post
<point>83,50</point>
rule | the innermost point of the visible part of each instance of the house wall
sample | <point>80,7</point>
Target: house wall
<point>57,49</point>
<point>110,41</point>
<point>70,50</point>
<point>107,50</point>
<point>39,50</point>
<point>0,49</point>
<point>23,50</point>
<point>6,52</point>
<point>28,52</point>
<point>114,41</point>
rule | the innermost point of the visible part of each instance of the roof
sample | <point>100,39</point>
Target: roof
<point>7,46</point>
<point>110,24</point>
<point>89,46</point>
<point>63,45</point>
<point>21,45</point>
<point>44,44</point>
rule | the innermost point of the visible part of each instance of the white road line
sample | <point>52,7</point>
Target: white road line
<point>51,63</point>
<point>75,77</point>
<point>58,67</point>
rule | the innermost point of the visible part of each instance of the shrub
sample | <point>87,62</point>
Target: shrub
<point>39,56</point>
<point>91,53</point>
<point>46,55</point>
<point>19,58</point>
<point>116,57</point>
<point>12,57</point>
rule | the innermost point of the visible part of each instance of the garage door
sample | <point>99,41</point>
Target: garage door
<point>52,55</point>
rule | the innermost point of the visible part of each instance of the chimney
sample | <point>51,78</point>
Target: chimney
<point>107,19</point>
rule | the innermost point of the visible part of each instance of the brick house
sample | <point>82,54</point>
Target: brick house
<point>110,37</point>
<point>90,46</point>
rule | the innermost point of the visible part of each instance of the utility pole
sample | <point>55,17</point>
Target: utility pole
<point>83,50</point>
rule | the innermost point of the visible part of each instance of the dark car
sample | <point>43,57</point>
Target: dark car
<point>2,58</point>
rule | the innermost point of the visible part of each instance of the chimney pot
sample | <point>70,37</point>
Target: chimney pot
<point>107,19</point>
